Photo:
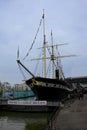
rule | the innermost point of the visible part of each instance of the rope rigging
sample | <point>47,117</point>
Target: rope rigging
<point>36,68</point>
<point>49,68</point>
<point>21,72</point>
<point>50,55</point>
<point>34,39</point>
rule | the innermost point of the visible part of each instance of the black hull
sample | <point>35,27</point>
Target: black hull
<point>49,89</point>
<point>50,94</point>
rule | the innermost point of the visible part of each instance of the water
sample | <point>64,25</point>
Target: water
<point>23,121</point>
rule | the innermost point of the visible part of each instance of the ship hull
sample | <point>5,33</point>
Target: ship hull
<point>50,94</point>
<point>49,89</point>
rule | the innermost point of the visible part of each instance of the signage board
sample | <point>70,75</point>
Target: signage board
<point>27,103</point>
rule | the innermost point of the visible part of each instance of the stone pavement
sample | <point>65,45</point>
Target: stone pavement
<point>73,116</point>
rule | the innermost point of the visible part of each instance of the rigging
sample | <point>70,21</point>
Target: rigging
<point>34,39</point>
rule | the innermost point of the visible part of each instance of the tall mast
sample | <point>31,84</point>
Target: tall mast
<point>52,56</point>
<point>44,45</point>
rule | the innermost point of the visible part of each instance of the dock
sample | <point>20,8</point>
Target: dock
<point>72,116</point>
<point>28,105</point>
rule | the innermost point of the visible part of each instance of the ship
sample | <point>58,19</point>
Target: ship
<point>54,88</point>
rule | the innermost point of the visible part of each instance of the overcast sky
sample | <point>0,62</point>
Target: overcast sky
<point>19,20</point>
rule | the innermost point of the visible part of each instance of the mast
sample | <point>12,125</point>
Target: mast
<point>52,56</point>
<point>44,45</point>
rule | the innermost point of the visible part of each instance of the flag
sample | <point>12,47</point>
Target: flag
<point>18,53</point>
